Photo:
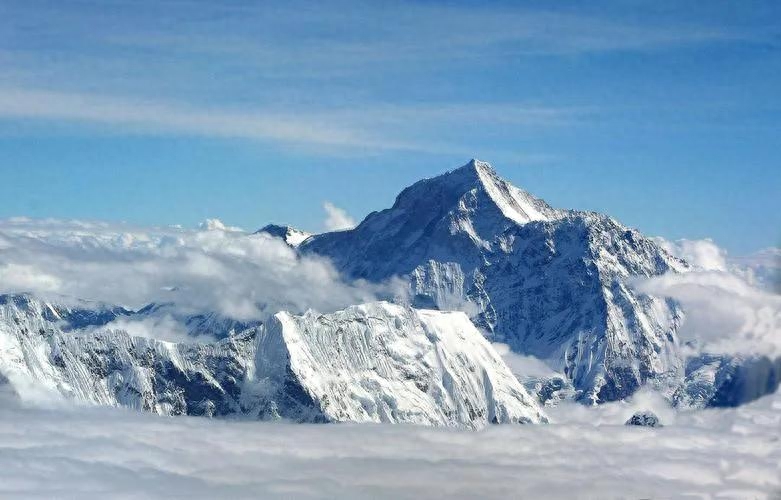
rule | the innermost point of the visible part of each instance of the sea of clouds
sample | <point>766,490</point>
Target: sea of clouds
<point>587,453</point>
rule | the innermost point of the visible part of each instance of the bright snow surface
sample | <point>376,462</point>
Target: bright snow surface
<point>382,362</point>
<point>101,452</point>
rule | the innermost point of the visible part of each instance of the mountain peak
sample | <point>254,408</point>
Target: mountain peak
<point>514,203</point>
<point>290,235</point>
<point>444,218</point>
<point>474,171</point>
<point>478,166</point>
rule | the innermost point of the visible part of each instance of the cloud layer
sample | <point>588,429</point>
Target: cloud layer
<point>217,268</point>
<point>99,453</point>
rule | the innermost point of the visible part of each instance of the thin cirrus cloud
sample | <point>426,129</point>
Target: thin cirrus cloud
<point>162,117</point>
<point>314,76</point>
<point>370,35</point>
<point>373,128</point>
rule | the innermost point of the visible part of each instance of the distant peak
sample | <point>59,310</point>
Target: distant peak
<point>290,235</point>
<point>478,176</point>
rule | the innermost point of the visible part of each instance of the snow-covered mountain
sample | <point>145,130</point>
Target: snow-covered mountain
<point>371,363</point>
<point>44,354</point>
<point>382,362</point>
<point>551,283</point>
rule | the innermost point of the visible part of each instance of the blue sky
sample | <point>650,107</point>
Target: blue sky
<point>665,115</point>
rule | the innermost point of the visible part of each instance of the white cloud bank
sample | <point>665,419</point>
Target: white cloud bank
<point>110,453</point>
<point>725,310</point>
<point>702,254</point>
<point>217,268</point>
<point>336,218</point>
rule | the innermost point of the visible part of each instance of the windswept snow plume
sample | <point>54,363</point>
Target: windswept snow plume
<point>336,218</point>
<point>216,268</point>
<point>100,453</point>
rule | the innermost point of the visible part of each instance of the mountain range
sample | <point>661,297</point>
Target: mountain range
<point>481,261</point>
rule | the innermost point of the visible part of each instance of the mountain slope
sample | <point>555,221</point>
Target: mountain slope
<point>370,363</point>
<point>551,283</point>
<point>44,356</point>
<point>381,362</point>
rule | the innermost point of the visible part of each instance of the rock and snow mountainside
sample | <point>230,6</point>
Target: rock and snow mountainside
<point>551,283</point>
<point>724,380</point>
<point>44,354</point>
<point>370,363</point>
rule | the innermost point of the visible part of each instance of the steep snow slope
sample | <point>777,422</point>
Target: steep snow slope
<point>381,362</point>
<point>551,283</point>
<point>371,363</point>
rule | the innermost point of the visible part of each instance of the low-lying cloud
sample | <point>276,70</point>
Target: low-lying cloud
<point>216,268</point>
<point>100,453</point>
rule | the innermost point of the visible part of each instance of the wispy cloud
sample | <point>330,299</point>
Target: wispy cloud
<point>336,218</point>
<point>350,75</point>
<point>373,127</point>
<point>162,117</point>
